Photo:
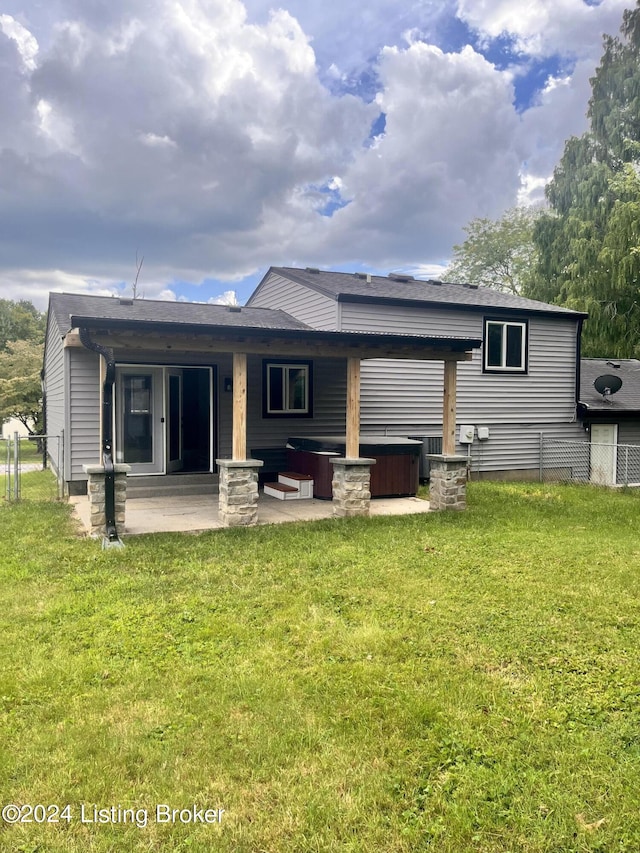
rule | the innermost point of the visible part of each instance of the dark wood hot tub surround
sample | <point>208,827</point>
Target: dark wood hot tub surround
<point>395,473</point>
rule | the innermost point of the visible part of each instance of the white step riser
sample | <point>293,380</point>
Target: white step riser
<point>305,487</point>
<point>282,496</point>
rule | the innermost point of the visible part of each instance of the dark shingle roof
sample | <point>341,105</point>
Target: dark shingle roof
<point>69,310</point>
<point>627,399</point>
<point>353,287</point>
<point>64,306</point>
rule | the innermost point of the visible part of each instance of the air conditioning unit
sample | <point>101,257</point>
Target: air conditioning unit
<point>430,444</point>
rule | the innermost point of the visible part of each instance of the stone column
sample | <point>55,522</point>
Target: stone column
<point>95,490</point>
<point>448,482</point>
<point>238,491</point>
<point>351,486</point>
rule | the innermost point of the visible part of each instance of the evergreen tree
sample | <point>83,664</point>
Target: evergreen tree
<point>589,242</point>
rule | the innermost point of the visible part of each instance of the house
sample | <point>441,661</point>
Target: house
<point>142,387</point>
<point>609,409</point>
<point>322,368</point>
<point>522,382</point>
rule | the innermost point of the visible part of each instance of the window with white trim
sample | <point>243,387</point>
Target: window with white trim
<point>287,389</point>
<point>505,346</point>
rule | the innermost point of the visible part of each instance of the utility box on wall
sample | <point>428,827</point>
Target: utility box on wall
<point>467,432</point>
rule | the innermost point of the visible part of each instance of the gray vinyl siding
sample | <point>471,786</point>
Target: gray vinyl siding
<point>629,432</point>
<point>329,403</point>
<point>301,302</point>
<point>402,397</point>
<point>54,365</point>
<point>366,317</point>
<point>516,447</point>
<point>84,411</point>
<point>409,393</point>
<point>628,457</point>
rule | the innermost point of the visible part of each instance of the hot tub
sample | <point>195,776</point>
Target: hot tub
<point>395,473</point>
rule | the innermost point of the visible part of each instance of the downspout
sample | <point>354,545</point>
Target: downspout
<point>112,538</point>
<point>578,362</point>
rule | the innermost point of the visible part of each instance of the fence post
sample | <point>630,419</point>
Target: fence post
<point>61,463</point>
<point>7,468</point>
<point>541,472</point>
<point>16,465</point>
<point>626,466</point>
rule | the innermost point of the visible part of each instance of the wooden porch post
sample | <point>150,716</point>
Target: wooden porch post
<point>239,446</point>
<point>352,448</point>
<point>449,408</point>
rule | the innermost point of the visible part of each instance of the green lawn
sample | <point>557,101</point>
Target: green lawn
<point>450,682</point>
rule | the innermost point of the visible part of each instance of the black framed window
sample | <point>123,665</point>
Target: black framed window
<point>287,389</point>
<point>505,346</point>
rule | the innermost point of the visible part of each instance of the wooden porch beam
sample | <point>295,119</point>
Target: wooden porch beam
<point>449,408</point>
<point>239,441</point>
<point>352,447</point>
<point>156,344</point>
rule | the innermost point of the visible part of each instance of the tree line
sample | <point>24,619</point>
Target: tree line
<point>583,249</point>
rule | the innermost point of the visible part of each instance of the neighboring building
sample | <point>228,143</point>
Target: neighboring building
<point>13,425</point>
<point>521,383</point>
<point>609,408</point>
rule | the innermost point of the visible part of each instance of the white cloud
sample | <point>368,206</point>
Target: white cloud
<point>229,297</point>
<point>448,154</point>
<point>177,128</point>
<point>26,43</point>
<point>545,27</point>
<point>199,133</point>
<point>35,285</point>
<point>559,114</point>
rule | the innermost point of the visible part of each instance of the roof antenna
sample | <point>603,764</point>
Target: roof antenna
<point>135,281</point>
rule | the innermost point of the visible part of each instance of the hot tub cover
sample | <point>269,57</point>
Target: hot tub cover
<point>370,445</point>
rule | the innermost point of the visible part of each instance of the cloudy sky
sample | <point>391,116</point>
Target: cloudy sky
<point>214,138</point>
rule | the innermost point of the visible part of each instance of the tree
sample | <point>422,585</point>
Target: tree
<point>21,347</point>
<point>20,386</point>
<point>588,242</point>
<point>20,321</point>
<point>499,253</point>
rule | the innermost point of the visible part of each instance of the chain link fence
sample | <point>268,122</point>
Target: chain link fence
<point>25,467</point>
<point>589,462</point>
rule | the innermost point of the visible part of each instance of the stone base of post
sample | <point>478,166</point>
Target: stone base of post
<point>448,482</point>
<point>351,486</point>
<point>238,491</point>
<point>95,490</point>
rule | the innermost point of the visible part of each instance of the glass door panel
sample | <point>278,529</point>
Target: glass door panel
<point>139,420</point>
<point>174,420</point>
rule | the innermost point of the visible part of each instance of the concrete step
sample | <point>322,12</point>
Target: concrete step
<point>171,484</point>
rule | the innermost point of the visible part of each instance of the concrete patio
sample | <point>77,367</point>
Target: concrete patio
<point>192,513</point>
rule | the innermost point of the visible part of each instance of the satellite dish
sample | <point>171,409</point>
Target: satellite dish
<point>607,384</point>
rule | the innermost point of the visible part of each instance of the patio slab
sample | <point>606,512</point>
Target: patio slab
<point>190,513</point>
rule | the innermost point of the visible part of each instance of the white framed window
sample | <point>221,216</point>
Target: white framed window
<point>505,346</point>
<point>287,389</point>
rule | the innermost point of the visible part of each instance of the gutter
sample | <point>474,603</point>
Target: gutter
<point>111,539</point>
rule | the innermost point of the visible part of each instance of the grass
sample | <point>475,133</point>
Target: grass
<point>451,682</point>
